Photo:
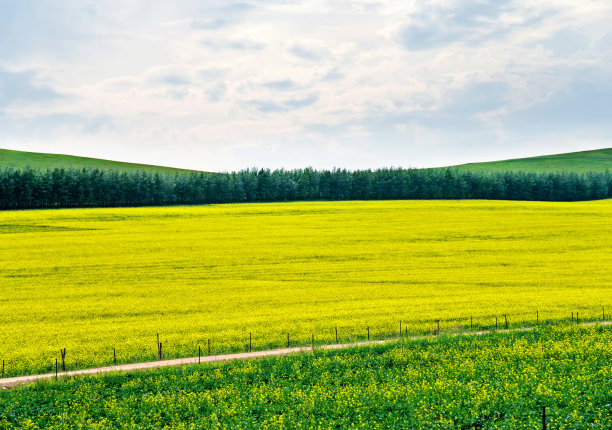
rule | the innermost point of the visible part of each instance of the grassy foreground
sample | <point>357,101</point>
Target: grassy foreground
<point>38,160</point>
<point>598,160</point>
<point>498,381</point>
<point>90,280</point>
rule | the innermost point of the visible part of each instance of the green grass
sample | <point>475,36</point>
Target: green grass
<point>498,381</point>
<point>91,280</point>
<point>36,160</point>
<point>598,160</point>
<point>580,162</point>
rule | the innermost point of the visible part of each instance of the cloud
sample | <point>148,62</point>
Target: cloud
<point>24,88</point>
<point>175,79</point>
<point>312,53</point>
<point>216,92</point>
<point>469,21</point>
<point>239,45</point>
<point>284,106</point>
<point>282,85</point>
<point>366,85</point>
<point>213,24</point>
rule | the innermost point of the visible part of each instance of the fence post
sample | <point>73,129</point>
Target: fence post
<point>471,323</point>
<point>577,319</point>
<point>114,356</point>
<point>400,332</point>
<point>506,318</point>
<point>199,353</point>
<point>287,340</point>
<point>336,334</point>
<point>250,342</point>
<point>438,332</point>
<point>3,368</point>
<point>368,333</point>
<point>63,352</point>
<point>312,343</point>
<point>543,417</point>
<point>56,369</point>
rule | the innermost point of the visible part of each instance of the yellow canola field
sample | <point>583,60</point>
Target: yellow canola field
<point>90,280</point>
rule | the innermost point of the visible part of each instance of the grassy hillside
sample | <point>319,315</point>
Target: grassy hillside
<point>497,381</point>
<point>91,280</point>
<point>36,160</point>
<point>581,162</point>
<point>598,160</point>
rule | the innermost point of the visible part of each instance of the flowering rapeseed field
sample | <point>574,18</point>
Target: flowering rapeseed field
<point>94,280</point>
<point>497,381</point>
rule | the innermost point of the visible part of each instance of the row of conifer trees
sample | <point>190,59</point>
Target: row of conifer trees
<point>33,188</point>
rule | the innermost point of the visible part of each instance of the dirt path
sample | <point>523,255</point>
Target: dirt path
<point>20,380</point>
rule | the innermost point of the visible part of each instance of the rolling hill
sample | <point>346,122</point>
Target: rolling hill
<point>37,160</point>
<point>598,160</point>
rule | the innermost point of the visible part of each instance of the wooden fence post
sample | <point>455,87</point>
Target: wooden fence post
<point>287,340</point>
<point>495,323</point>
<point>368,333</point>
<point>199,353</point>
<point>336,334</point>
<point>506,318</point>
<point>312,343</point>
<point>63,352</point>
<point>114,356</point>
<point>56,369</point>
<point>250,341</point>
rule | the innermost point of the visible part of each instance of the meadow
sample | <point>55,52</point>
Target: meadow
<point>94,280</point>
<point>598,160</point>
<point>39,160</point>
<point>497,381</point>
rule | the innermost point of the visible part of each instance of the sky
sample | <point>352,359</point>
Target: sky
<point>221,85</point>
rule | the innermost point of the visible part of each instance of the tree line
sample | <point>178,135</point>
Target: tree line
<point>65,188</point>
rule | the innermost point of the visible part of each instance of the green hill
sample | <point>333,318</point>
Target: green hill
<point>598,160</point>
<point>580,162</point>
<point>36,160</point>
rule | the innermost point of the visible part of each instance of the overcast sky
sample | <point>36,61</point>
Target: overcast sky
<point>224,85</point>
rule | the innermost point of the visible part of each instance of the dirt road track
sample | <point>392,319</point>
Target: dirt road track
<point>21,380</point>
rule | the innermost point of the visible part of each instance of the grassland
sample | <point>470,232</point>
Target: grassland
<point>37,160</point>
<point>91,280</point>
<point>598,160</point>
<point>498,381</point>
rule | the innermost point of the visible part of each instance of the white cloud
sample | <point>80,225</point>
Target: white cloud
<point>222,85</point>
